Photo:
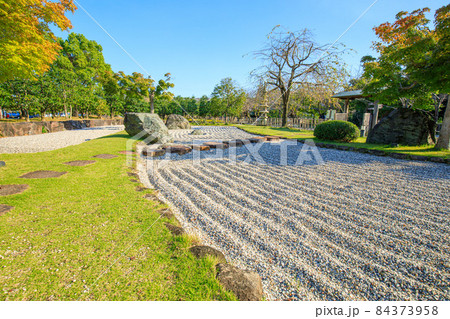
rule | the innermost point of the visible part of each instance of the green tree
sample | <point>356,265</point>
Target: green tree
<point>415,60</point>
<point>160,91</point>
<point>227,99</point>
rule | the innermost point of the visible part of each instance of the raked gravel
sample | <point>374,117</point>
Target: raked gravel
<point>53,141</point>
<point>356,227</point>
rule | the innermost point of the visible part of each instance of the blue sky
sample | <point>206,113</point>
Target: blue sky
<point>202,41</point>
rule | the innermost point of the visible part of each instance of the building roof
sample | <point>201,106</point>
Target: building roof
<point>356,94</point>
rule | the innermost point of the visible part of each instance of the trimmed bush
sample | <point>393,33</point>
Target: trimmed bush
<point>340,131</point>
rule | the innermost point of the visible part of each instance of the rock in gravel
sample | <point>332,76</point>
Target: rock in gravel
<point>245,284</point>
<point>2,163</point>
<point>177,122</point>
<point>175,230</point>
<point>219,145</point>
<point>404,126</point>
<point>147,126</point>
<point>200,147</point>
<point>153,152</point>
<point>197,132</point>
<point>203,251</point>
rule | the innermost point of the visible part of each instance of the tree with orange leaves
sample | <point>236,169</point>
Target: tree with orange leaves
<point>414,61</point>
<point>27,45</point>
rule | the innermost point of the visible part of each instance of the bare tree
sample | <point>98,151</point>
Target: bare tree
<point>293,58</point>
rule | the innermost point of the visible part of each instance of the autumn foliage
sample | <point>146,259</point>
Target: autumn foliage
<point>27,45</point>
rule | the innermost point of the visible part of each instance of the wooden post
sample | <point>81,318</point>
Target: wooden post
<point>375,114</point>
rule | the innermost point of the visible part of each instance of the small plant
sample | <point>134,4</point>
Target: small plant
<point>44,130</point>
<point>340,131</point>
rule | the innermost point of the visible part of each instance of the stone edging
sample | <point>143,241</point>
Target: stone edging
<point>11,129</point>
<point>245,284</point>
<point>395,155</point>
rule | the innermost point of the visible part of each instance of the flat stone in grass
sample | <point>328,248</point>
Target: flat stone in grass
<point>79,163</point>
<point>43,174</point>
<point>175,230</point>
<point>127,152</point>
<point>245,284</point>
<point>203,251</point>
<point>4,209</point>
<point>2,163</point>
<point>105,156</point>
<point>219,145</point>
<point>12,189</point>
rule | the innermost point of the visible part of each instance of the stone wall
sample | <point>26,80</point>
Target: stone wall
<point>9,129</point>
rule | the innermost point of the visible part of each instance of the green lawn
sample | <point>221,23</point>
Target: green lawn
<point>425,150</point>
<point>65,232</point>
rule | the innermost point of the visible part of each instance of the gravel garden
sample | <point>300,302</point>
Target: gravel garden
<point>353,227</point>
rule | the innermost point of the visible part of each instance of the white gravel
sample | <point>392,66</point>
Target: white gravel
<point>53,141</point>
<point>358,227</point>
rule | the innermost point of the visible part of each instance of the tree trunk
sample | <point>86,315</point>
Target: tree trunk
<point>1,113</point>
<point>444,134</point>
<point>285,109</point>
<point>152,104</point>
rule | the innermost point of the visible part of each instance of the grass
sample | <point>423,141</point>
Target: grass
<point>292,133</point>
<point>65,232</point>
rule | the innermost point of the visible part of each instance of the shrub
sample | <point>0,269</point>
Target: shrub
<point>340,131</point>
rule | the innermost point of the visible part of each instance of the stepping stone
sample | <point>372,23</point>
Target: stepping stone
<point>272,138</point>
<point>140,188</point>
<point>5,208</point>
<point>42,174</point>
<point>177,149</point>
<point>257,139</point>
<point>2,163</point>
<point>127,152</point>
<point>245,284</point>
<point>153,152</point>
<point>151,197</point>
<point>132,174</point>
<point>200,147</point>
<point>175,230</point>
<point>12,189</point>
<point>105,156</point>
<point>237,143</point>
<point>203,251</point>
<point>219,145</point>
<point>79,163</point>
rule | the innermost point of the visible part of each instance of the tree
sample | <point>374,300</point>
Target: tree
<point>227,98</point>
<point>292,58</point>
<point>414,60</point>
<point>160,91</point>
<point>27,45</point>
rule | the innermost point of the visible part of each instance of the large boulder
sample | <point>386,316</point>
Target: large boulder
<point>404,126</point>
<point>176,122</point>
<point>147,126</point>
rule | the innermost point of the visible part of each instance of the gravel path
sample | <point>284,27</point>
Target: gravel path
<point>53,141</point>
<point>358,227</point>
